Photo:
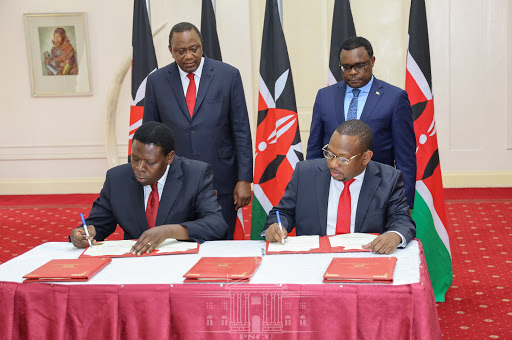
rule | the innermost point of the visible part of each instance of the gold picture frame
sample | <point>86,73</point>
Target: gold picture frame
<point>58,54</point>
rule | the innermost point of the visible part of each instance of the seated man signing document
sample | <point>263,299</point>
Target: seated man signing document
<point>158,196</point>
<point>345,193</point>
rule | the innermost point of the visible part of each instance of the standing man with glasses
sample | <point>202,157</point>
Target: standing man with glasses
<point>384,107</point>
<point>345,193</point>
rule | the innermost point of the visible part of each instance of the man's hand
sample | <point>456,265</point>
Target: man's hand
<point>242,194</point>
<point>79,238</point>
<point>274,233</point>
<point>152,238</point>
<point>384,244</point>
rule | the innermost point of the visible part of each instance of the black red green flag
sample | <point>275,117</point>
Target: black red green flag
<point>143,63</point>
<point>278,146</point>
<point>429,209</point>
<point>342,29</point>
<point>211,46</point>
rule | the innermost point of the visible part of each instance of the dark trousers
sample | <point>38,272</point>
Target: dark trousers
<point>229,213</point>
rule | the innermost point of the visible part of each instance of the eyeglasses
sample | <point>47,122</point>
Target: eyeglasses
<point>358,67</point>
<point>341,161</point>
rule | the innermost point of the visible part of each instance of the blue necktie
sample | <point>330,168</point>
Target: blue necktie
<point>352,108</point>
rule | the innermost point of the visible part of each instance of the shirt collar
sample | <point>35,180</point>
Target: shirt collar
<point>197,72</point>
<point>358,178</point>
<point>162,179</point>
<point>365,89</point>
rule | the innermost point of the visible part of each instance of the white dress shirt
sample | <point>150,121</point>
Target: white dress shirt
<point>361,99</point>
<point>197,77</point>
<point>160,186</point>
<point>335,189</point>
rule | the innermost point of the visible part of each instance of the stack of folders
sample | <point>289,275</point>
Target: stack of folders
<point>223,269</point>
<point>68,270</point>
<point>361,270</point>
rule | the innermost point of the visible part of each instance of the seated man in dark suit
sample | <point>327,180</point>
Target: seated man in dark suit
<point>316,202</point>
<point>157,196</point>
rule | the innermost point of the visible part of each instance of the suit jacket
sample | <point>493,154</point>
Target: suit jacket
<point>218,132</point>
<point>381,206</point>
<point>388,113</point>
<point>188,199</point>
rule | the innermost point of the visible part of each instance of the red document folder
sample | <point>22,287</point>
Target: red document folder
<point>68,270</point>
<point>361,270</point>
<point>223,269</point>
<point>325,247</point>
<point>155,252</point>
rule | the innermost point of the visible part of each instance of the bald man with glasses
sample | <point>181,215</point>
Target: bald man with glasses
<point>345,192</point>
<point>384,107</point>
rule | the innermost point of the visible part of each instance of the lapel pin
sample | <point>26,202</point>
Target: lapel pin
<point>377,93</point>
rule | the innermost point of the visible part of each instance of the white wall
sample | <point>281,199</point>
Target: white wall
<point>56,144</point>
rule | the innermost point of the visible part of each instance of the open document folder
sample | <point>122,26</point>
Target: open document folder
<point>342,243</point>
<point>122,248</point>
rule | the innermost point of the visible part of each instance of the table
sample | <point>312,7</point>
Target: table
<point>137,298</point>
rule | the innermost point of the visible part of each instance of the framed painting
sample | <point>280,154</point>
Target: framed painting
<point>58,56</point>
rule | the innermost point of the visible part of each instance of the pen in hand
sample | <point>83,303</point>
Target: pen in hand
<point>86,230</point>
<point>280,225</point>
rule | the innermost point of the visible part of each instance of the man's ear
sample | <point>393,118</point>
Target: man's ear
<point>170,157</point>
<point>367,156</point>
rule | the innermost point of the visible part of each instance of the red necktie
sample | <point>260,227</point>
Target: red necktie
<point>152,207</point>
<point>344,207</point>
<point>191,94</point>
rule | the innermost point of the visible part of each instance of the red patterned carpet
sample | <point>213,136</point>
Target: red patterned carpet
<point>30,220</point>
<point>478,305</point>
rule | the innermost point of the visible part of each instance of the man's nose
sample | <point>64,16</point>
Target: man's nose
<point>334,163</point>
<point>353,70</point>
<point>141,166</point>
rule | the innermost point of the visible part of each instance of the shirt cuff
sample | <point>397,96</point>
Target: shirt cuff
<point>401,244</point>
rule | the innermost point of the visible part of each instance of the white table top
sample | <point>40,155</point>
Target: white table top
<point>169,269</point>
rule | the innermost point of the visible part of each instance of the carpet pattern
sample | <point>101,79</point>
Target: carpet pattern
<point>28,221</point>
<point>478,305</point>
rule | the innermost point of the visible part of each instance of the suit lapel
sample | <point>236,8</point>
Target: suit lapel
<point>175,82</point>
<point>339,102</point>
<point>370,183</point>
<point>136,199</point>
<point>172,188</point>
<point>206,79</point>
<point>323,180</point>
<point>372,100</point>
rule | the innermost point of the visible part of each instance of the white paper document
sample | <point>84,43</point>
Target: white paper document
<point>352,240</point>
<point>172,245</point>
<point>297,243</point>
<point>121,247</point>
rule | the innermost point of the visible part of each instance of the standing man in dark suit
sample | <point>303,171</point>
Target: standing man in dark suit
<point>157,196</point>
<point>348,193</point>
<point>202,100</point>
<point>384,107</point>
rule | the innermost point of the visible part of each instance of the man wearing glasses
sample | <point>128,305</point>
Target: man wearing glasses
<point>345,193</point>
<point>384,107</point>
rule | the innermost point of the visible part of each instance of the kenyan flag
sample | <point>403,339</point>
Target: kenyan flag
<point>143,64</point>
<point>278,146</point>
<point>429,210</point>
<point>342,29</point>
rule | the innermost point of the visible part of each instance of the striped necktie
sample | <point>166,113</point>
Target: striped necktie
<point>352,108</point>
